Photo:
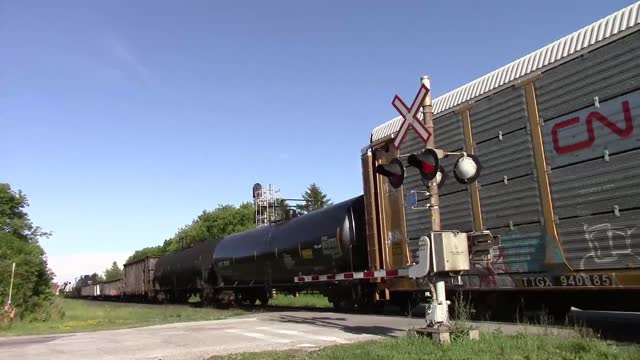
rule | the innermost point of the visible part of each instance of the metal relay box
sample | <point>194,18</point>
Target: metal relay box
<point>450,251</point>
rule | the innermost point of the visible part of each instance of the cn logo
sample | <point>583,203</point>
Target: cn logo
<point>591,136</point>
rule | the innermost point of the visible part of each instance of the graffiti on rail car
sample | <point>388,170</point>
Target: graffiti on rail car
<point>495,274</point>
<point>610,246</point>
<point>591,137</point>
<point>585,134</point>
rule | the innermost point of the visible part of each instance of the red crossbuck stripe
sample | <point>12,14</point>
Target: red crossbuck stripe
<point>410,116</point>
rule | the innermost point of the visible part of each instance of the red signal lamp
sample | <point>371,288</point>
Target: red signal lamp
<point>393,171</point>
<point>427,162</point>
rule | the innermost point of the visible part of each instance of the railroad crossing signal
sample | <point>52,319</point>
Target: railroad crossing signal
<point>410,117</point>
<point>426,162</point>
<point>466,168</point>
<point>394,171</point>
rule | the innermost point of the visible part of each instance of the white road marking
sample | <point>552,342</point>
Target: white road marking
<point>307,345</point>
<point>309,336</point>
<point>258,336</point>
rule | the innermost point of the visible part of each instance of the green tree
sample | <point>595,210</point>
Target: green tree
<point>19,242</point>
<point>97,278</point>
<point>281,210</point>
<point>213,225</point>
<point>144,252</point>
<point>208,226</point>
<point>113,273</point>
<point>314,199</point>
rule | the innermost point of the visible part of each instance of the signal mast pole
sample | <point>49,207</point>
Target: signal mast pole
<point>427,118</point>
<point>441,317</point>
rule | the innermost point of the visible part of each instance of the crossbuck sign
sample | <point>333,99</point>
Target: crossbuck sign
<point>410,117</point>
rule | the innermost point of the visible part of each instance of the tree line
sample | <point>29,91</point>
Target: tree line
<point>226,220</point>
<point>32,293</point>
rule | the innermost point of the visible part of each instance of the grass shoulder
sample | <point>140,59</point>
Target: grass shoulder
<point>490,346</point>
<point>86,315</point>
<point>303,300</point>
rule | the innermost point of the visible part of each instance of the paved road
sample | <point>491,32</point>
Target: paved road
<point>196,340</point>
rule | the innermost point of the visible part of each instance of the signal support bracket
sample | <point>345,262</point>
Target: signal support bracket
<point>411,200</point>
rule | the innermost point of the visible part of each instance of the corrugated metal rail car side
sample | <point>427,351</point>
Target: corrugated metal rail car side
<point>138,278</point>
<point>558,136</point>
<point>90,291</point>
<point>112,289</point>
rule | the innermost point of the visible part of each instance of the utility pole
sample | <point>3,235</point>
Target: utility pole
<point>13,270</point>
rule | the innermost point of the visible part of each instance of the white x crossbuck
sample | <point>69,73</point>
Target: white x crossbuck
<point>410,116</point>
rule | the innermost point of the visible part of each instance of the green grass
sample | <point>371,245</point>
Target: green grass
<point>490,346</point>
<point>85,315</point>
<point>304,300</point>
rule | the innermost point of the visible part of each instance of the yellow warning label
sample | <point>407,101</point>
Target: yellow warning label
<point>307,254</point>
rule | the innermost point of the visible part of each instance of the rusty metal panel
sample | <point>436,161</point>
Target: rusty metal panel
<point>521,249</point>
<point>138,276</point>
<point>90,290</point>
<point>371,215</point>
<point>455,212</point>
<point>602,241</point>
<point>597,186</point>
<point>502,112</point>
<point>607,72</point>
<point>392,217</point>
<point>511,157</point>
<point>112,288</point>
<point>516,202</point>
<point>594,132</point>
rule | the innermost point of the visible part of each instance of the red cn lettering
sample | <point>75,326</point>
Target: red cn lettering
<point>591,136</point>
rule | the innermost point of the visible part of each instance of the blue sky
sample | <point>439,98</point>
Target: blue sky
<point>123,120</point>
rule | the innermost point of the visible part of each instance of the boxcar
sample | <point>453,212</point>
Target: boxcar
<point>90,291</point>
<point>138,277</point>
<point>112,289</point>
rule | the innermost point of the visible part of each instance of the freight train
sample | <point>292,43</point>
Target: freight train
<point>556,133</point>
<point>245,267</point>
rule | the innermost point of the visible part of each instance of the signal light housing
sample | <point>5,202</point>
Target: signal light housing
<point>427,162</point>
<point>393,171</point>
<point>466,169</point>
<point>441,176</point>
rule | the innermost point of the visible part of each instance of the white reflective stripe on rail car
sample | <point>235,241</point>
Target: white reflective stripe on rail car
<point>382,273</point>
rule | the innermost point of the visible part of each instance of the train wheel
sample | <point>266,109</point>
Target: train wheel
<point>264,300</point>
<point>251,301</point>
<point>558,313</point>
<point>343,304</point>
